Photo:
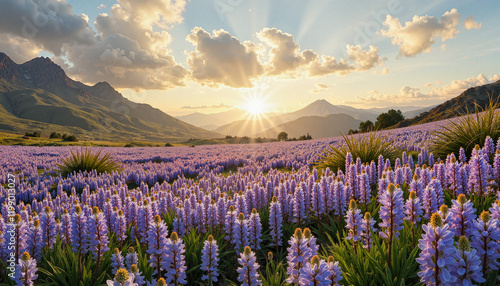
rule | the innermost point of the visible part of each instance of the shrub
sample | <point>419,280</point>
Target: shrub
<point>365,146</point>
<point>71,138</point>
<point>85,159</point>
<point>282,136</point>
<point>168,145</point>
<point>467,131</point>
<point>55,135</point>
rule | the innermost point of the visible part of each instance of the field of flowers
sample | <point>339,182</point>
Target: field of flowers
<point>257,214</point>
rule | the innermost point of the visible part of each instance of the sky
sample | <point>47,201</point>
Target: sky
<point>263,55</point>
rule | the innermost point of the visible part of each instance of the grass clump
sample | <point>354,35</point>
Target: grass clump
<point>367,147</point>
<point>467,131</point>
<point>85,159</point>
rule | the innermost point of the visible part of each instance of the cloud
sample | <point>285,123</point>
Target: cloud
<point>320,87</point>
<point>420,33</point>
<point>20,50</point>
<point>47,23</point>
<point>102,6</point>
<point>469,23</point>
<point>222,59</point>
<point>131,49</point>
<point>409,94</point>
<point>222,106</point>
<point>365,60</point>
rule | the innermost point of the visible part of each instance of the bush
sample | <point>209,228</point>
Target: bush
<point>64,136</point>
<point>365,146</point>
<point>85,159</point>
<point>389,118</point>
<point>467,131</point>
<point>71,138</point>
<point>282,136</point>
<point>55,135</point>
<point>169,145</point>
<point>34,134</point>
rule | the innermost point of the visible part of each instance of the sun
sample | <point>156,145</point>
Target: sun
<point>255,105</point>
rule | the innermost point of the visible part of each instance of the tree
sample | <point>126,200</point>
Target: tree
<point>55,135</point>
<point>389,118</point>
<point>366,126</point>
<point>71,138</point>
<point>282,136</point>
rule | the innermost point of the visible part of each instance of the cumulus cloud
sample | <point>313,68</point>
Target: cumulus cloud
<point>20,50</point>
<point>48,23</point>
<point>222,59</point>
<point>365,60</point>
<point>408,94</point>
<point>320,87</point>
<point>131,49</point>
<point>420,33</point>
<point>216,106</point>
<point>469,23</point>
<point>102,6</point>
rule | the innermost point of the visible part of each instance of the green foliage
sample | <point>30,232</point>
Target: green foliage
<point>168,145</point>
<point>365,146</point>
<point>55,135</point>
<point>305,137</point>
<point>467,131</point>
<point>282,136</point>
<point>389,118</point>
<point>85,159</point>
<point>71,138</point>
<point>366,126</point>
<point>34,134</point>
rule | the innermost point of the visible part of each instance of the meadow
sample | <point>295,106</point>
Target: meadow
<point>254,214</point>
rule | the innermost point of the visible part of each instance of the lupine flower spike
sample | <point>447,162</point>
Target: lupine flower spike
<point>248,275</point>
<point>468,264</point>
<point>298,252</point>
<point>354,223</point>
<point>335,271</point>
<point>210,260</point>
<point>25,270</point>
<point>315,273</point>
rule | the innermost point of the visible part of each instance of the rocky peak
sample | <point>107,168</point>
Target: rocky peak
<point>8,68</point>
<point>43,72</point>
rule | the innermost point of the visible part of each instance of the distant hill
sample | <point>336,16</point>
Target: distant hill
<point>213,120</point>
<point>458,105</point>
<point>39,96</point>
<point>416,112</point>
<point>317,126</point>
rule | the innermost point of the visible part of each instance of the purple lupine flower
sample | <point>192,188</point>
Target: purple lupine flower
<point>231,218</point>
<point>461,155</point>
<point>496,166</point>
<point>454,177</point>
<point>444,213</point>
<point>199,217</point>
<point>318,201</point>
<point>66,227</point>
<point>348,161</point>
<point>380,166</point>
<point>339,201</point>
<point>131,258</point>
<point>391,213</point>
<point>48,225</point>
<point>276,221</point>
<point>462,215</point>
<point>353,182</point>
<point>157,242</point>
<point>413,209</point>
<point>354,223</point>
<point>364,188</point>
<point>296,257</point>
<point>138,278</point>
<point>116,261</point>
<point>79,235</point>
<point>240,232</point>
<point>35,244</point>
<point>430,201</point>
<point>335,271</point>
<point>145,216</point>
<point>210,260</point>
<point>315,273</point>
<point>98,234</point>
<point>489,146</point>
<point>383,182</point>
<point>179,224</point>
<point>311,243</point>
<point>436,258</point>
<point>485,237</point>
<point>173,261</point>
<point>417,186</point>
<point>248,275</point>
<point>368,227</point>
<point>120,226</point>
<point>495,210</point>
<point>468,264</point>
<point>478,179</point>
<point>212,214</point>
<point>299,206</point>
<point>254,230</point>
<point>25,271</point>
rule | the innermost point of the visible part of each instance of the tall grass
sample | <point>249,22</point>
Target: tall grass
<point>365,146</point>
<point>85,159</point>
<point>467,131</point>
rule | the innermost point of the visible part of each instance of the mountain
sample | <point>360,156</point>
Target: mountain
<point>459,105</point>
<point>201,119</point>
<point>416,112</point>
<point>319,108</point>
<point>317,126</point>
<point>39,96</point>
<point>213,120</point>
<point>322,107</point>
